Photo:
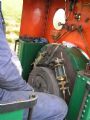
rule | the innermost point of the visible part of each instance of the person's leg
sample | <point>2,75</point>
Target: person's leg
<point>49,107</point>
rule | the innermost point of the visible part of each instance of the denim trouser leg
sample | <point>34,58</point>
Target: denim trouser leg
<point>48,107</point>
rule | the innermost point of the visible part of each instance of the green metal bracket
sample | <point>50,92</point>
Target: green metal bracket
<point>27,53</point>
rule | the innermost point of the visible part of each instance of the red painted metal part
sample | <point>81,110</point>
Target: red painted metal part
<point>73,37</point>
<point>33,18</point>
<point>37,21</point>
<point>54,6</point>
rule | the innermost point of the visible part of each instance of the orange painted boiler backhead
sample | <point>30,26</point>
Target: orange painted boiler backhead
<point>37,21</point>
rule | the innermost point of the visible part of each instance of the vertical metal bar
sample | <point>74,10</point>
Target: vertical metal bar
<point>30,114</point>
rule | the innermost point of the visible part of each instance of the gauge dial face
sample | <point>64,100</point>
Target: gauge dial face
<point>59,19</point>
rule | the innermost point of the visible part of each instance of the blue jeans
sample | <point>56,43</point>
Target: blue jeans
<point>48,107</point>
<point>13,87</point>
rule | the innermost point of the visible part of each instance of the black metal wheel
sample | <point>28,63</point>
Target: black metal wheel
<point>42,79</point>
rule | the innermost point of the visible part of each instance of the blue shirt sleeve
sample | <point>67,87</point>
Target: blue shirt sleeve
<point>10,79</point>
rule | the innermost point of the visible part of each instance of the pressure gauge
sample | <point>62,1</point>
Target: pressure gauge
<point>59,19</point>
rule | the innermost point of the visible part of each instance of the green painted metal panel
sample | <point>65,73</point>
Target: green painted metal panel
<point>16,115</point>
<point>27,53</point>
<point>78,60</point>
<point>86,110</point>
<point>77,97</point>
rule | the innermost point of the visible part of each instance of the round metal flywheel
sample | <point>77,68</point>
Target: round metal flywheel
<point>42,79</point>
